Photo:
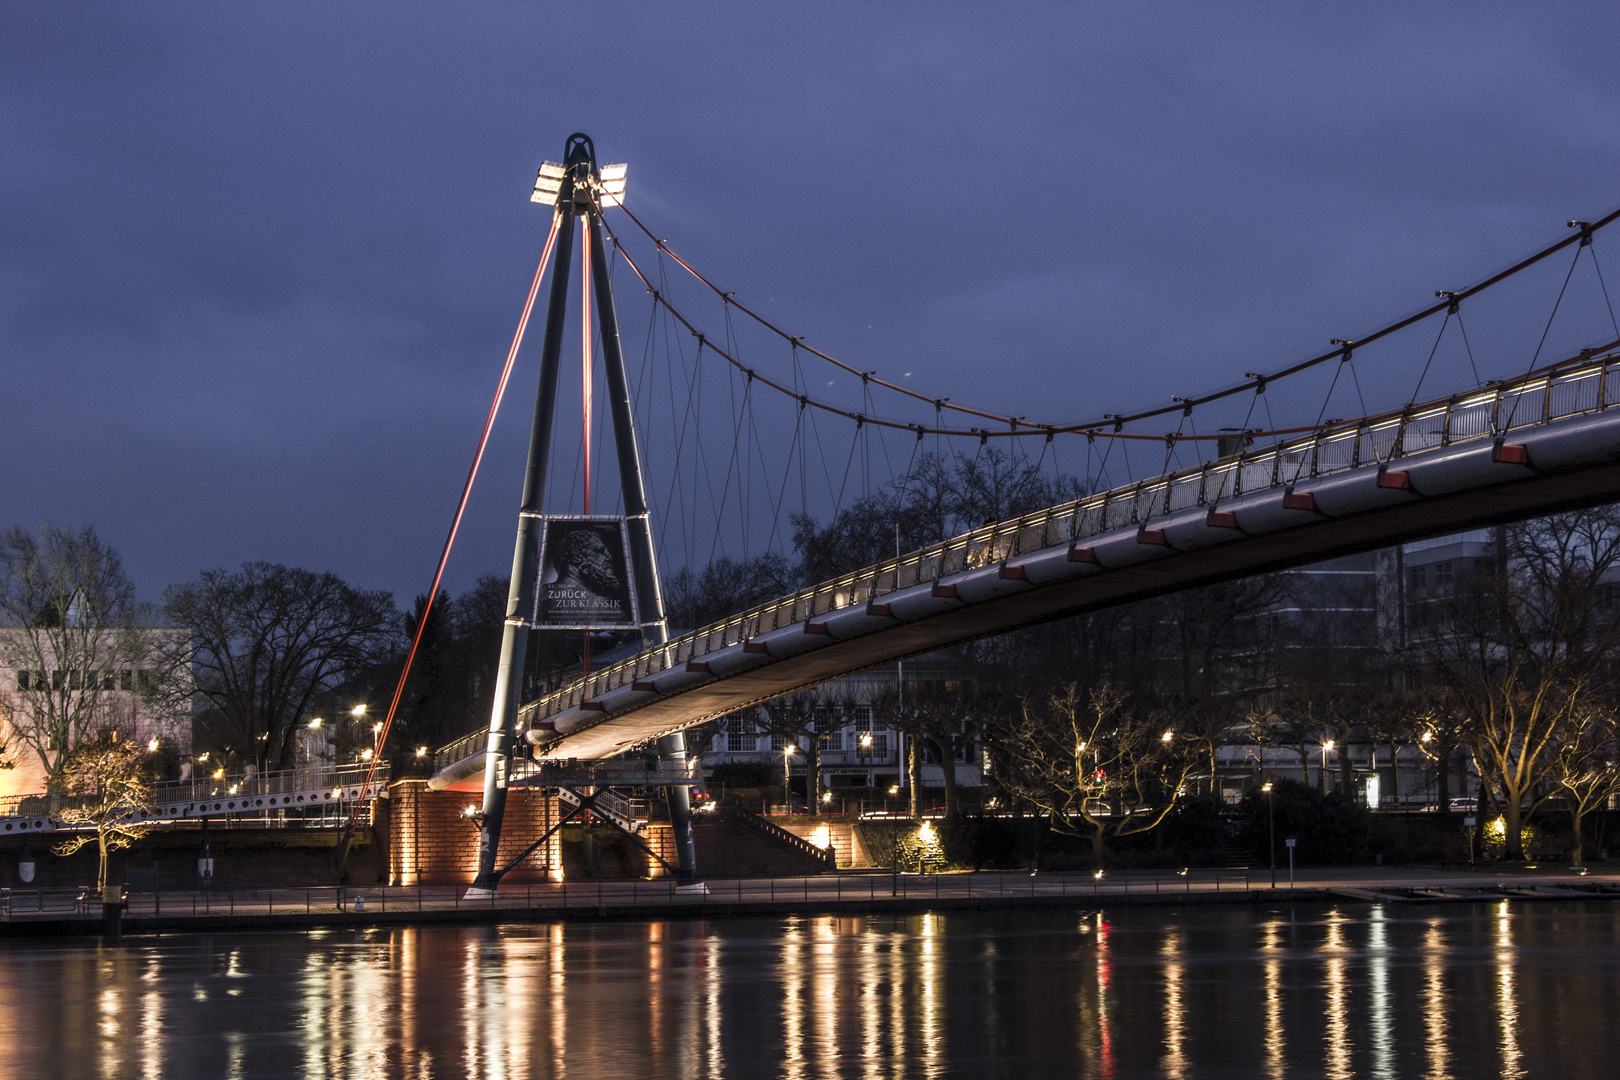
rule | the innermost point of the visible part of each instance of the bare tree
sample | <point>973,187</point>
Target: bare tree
<point>1093,765</point>
<point>72,631</point>
<point>1522,650</point>
<point>792,719</point>
<point>105,780</point>
<point>1584,767</point>
<point>265,642</point>
<point>948,718</point>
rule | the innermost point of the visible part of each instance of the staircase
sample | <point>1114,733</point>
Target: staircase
<point>621,811</point>
<point>1237,856</point>
<point>824,857</point>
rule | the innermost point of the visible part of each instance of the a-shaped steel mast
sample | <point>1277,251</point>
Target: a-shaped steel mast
<point>577,189</point>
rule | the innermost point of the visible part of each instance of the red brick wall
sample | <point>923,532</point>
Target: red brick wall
<point>431,843</point>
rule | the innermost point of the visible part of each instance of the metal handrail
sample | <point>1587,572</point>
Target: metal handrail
<point>236,788</point>
<point>1548,395</point>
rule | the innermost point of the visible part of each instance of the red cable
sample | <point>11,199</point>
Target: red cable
<point>455,522</point>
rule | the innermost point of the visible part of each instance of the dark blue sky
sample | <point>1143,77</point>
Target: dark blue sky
<point>259,264</point>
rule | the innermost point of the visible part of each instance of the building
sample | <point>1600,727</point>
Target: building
<point>107,688</point>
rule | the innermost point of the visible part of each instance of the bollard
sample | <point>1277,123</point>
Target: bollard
<point>112,910</point>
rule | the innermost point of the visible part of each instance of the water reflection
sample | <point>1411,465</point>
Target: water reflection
<point>1507,1007</point>
<point>1435,1006</point>
<point>1271,953</point>
<point>1343,991</point>
<point>1336,961</point>
<point>1175,1064</point>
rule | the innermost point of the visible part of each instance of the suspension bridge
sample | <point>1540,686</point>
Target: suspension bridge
<point>1253,498</point>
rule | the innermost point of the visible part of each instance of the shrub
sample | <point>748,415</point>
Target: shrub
<point>1330,830</point>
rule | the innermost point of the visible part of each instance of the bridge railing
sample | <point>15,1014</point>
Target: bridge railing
<point>243,792</point>
<point>1582,385</point>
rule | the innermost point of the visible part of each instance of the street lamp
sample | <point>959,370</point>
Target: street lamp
<point>358,711</point>
<point>787,777</point>
<point>1327,744</point>
<point>1271,827</point>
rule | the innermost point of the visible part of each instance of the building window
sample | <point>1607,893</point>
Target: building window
<point>1417,578</point>
<point>781,742</point>
<point>830,726</point>
<point>870,741</point>
<point>739,739</point>
<point>1442,575</point>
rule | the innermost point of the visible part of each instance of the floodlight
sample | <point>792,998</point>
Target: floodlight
<point>548,183</point>
<point>608,183</point>
<point>611,184</point>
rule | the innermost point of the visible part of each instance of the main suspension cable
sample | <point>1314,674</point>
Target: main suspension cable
<point>1111,420</point>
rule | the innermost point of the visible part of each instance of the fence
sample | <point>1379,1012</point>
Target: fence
<point>869,888</point>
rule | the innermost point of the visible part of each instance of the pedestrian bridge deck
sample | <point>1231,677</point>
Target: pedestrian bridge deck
<point>1545,443</point>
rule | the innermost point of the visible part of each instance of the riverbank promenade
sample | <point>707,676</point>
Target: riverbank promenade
<point>47,911</point>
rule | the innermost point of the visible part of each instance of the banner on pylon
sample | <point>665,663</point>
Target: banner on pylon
<point>585,582</point>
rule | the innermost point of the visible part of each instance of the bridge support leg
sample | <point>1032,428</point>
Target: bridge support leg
<point>644,564</point>
<point>520,597</point>
<point>673,747</point>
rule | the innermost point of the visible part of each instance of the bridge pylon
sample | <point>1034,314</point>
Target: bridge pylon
<point>577,189</point>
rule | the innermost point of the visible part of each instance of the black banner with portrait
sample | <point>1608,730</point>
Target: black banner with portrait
<point>585,581</point>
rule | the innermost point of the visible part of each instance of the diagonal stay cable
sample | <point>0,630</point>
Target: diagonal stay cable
<point>450,537</point>
<point>1604,286</point>
<point>1548,328</point>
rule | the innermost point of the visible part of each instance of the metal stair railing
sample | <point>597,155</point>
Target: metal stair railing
<point>773,832</point>
<point>622,811</point>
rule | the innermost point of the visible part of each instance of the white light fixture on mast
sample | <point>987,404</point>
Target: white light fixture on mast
<point>611,184</point>
<point>608,184</point>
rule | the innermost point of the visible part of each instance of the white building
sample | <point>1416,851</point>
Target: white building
<point>86,699</point>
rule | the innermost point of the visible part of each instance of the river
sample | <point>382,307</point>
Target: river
<point>1521,989</point>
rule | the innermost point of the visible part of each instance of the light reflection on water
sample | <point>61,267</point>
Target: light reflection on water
<point>1355,991</point>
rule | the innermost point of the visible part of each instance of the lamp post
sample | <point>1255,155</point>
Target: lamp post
<point>1327,744</point>
<point>787,777</point>
<point>1424,740</point>
<point>1271,828</point>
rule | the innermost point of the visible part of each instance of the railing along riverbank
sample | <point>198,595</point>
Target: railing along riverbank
<point>562,897</point>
